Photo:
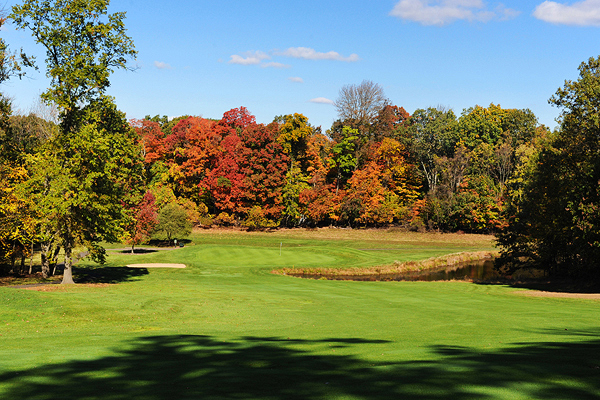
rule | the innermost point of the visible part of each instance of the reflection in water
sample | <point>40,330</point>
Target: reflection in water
<point>471,271</point>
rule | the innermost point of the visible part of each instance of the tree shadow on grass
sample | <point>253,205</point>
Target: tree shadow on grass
<point>104,274</point>
<point>550,285</point>
<point>201,367</point>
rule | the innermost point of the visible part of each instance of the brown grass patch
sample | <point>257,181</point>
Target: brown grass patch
<point>394,269</point>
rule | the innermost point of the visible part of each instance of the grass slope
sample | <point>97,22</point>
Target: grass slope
<point>226,328</point>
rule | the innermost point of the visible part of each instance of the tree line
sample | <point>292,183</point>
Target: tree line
<point>88,175</point>
<point>429,170</point>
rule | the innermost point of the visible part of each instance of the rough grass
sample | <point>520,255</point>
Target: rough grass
<point>226,328</point>
<point>394,269</point>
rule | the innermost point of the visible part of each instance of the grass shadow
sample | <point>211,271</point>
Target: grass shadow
<point>105,274</point>
<point>202,367</point>
<point>138,251</point>
<point>554,285</point>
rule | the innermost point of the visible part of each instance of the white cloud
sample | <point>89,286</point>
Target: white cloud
<point>311,54</point>
<point>321,100</point>
<point>442,12</point>
<point>161,65</point>
<point>275,65</point>
<point>296,79</point>
<point>582,13</point>
<point>249,58</point>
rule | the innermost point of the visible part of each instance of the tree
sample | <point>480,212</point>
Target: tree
<point>11,63</point>
<point>293,136</point>
<point>172,222</point>
<point>82,183</point>
<point>428,138</point>
<point>360,104</point>
<point>555,223</point>
<point>93,163</point>
<point>189,152</point>
<point>145,218</point>
<point>83,43</point>
<point>264,165</point>
<point>343,160</point>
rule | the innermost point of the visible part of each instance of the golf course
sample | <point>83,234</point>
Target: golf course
<point>226,327</point>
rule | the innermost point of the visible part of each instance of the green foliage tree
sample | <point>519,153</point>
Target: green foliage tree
<point>172,223</point>
<point>343,160</point>
<point>429,136</point>
<point>83,43</point>
<point>554,223</point>
<point>88,169</point>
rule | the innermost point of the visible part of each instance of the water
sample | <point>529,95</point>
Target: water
<point>471,271</point>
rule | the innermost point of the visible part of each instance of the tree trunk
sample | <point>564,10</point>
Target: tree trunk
<point>44,260</point>
<point>68,272</point>
<point>12,259</point>
<point>31,260</point>
<point>22,267</point>
<point>54,260</point>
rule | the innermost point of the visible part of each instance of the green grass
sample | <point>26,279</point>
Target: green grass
<point>226,328</point>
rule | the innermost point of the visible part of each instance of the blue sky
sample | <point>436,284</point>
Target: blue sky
<point>281,57</point>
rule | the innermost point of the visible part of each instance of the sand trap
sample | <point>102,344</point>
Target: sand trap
<point>533,293</point>
<point>156,265</point>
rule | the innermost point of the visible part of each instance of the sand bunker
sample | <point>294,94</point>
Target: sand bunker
<point>533,293</point>
<point>156,265</point>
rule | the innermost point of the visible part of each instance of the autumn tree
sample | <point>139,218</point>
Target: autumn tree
<point>145,218</point>
<point>189,153</point>
<point>391,122</point>
<point>264,165</point>
<point>93,163</point>
<point>293,136</point>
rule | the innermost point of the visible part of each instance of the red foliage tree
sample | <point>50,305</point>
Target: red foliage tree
<point>191,148</point>
<point>238,119</point>
<point>151,138</point>
<point>264,164</point>
<point>145,218</point>
<point>226,181</point>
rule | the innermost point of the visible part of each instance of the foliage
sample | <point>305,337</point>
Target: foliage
<point>430,136</point>
<point>83,43</point>
<point>85,174</point>
<point>145,218</point>
<point>12,63</point>
<point>172,223</point>
<point>294,134</point>
<point>554,220</point>
<point>342,159</point>
<point>257,219</point>
<point>296,183</point>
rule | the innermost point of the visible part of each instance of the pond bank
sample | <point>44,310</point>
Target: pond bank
<point>398,270</point>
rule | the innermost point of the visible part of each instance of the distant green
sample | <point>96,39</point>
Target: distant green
<point>226,328</point>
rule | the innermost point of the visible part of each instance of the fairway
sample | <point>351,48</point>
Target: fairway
<point>224,327</point>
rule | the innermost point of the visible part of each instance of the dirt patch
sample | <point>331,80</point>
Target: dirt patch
<point>156,265</point>
<point>535,293</point>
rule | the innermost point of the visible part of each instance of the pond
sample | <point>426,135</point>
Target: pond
<point>472,271</point>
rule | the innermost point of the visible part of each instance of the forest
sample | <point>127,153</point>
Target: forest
<point>78,173</point>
